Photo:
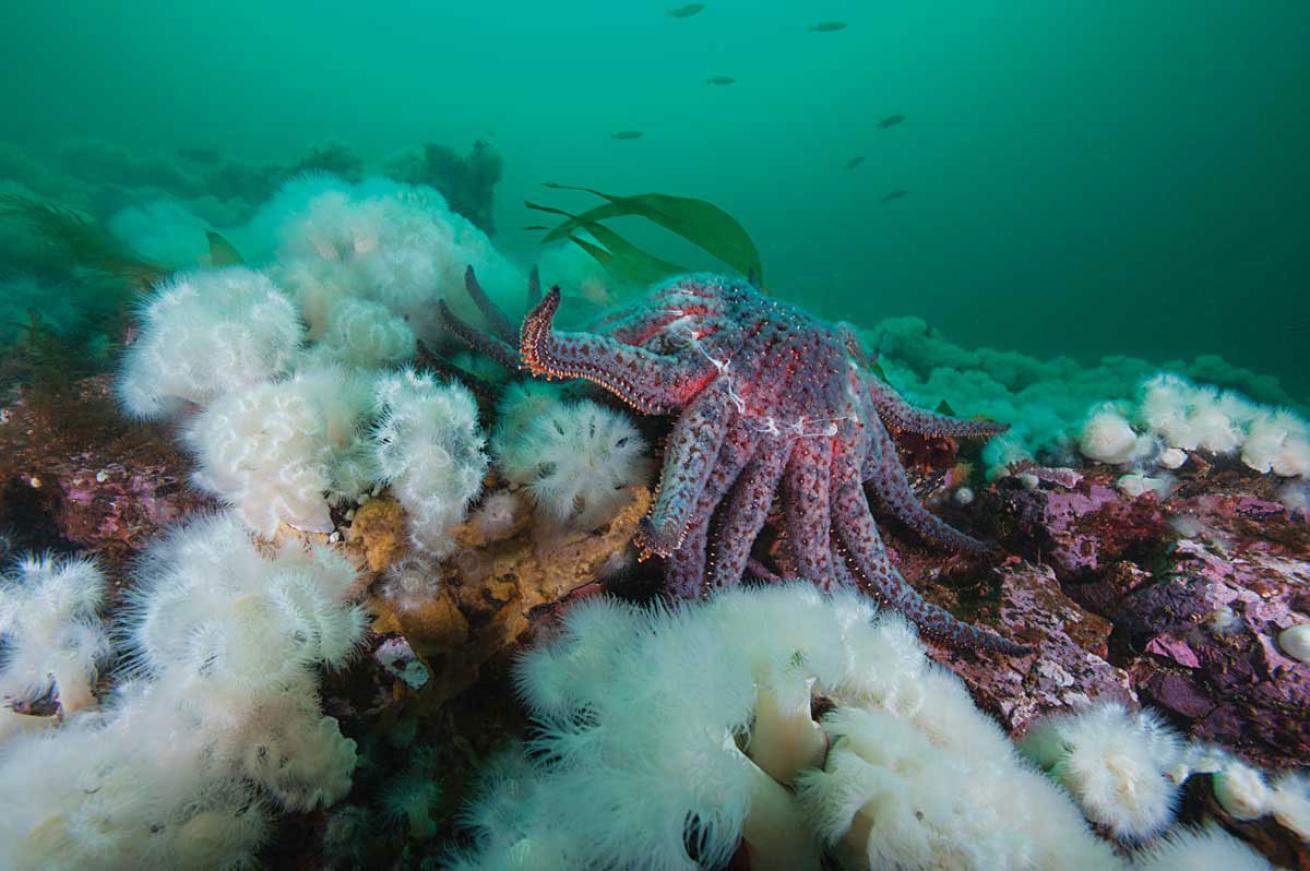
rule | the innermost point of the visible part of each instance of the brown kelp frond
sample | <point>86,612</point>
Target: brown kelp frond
<point>79,238</point>
<point>701,223</point>
<point>624,261</point>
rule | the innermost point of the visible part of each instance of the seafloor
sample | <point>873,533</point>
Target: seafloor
<point>1123,598</point>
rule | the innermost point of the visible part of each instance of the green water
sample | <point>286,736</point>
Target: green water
<point>1083,178</point>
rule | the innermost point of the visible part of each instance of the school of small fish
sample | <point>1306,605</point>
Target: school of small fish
<point>884,123</point>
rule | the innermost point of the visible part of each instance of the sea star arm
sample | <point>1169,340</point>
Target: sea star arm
<point>688,564</point>
<point>664,303</point>
<point>899,415</point>
<point>534,286</point>
<point>501,342</point>
<point>889,481</point>
<point>638,324</point>
<point>483,343</point>
<point>746,511</point>
<point>689,458</point>
<point>497,322</point>
<point>761,571</point>
<point>841,569</point>
<point>650,383</point>
<point>806,492</point>
<point>868,562</point>
<point>611,317</point>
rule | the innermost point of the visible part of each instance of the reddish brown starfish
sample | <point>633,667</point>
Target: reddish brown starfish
<point>768,398</point>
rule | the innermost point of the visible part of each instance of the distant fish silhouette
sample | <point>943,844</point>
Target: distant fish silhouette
<point>626,134</point>
<point>720,80</point>
<point>854,162</point>
<point>536,227</point>
<point>827,27</point>
<point>899,193</point>
<point>686,11</point>
<point>890,121</point>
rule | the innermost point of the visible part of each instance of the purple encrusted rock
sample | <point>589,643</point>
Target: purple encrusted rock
<point>77,474</point>
<point>1068,667</point>
<point>1208,628</point>
<point>1081,526</point>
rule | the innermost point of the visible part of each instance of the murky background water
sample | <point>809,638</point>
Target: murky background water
<point>1084,179</point>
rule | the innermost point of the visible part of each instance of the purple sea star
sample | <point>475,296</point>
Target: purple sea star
<point>768,398</point>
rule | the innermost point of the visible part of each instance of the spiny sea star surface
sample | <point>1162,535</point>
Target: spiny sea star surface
<point>769,400</point>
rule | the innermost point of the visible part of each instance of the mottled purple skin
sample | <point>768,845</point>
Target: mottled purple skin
<point>768,399</point>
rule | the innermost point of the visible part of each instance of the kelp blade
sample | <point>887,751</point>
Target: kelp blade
<point>624,261</point>
<point>701,223</point>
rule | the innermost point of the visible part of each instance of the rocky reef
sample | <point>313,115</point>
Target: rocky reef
<point>1187,603</point>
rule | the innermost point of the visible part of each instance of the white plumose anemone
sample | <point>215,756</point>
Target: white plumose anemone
<point>284,451</point>
<point>668,738</point>
<point>206,333</point>
<point>215,721</point>
<point>576,458</point>
<point>428,446</point>
<point>50,631</point>
<point>1115,764</point>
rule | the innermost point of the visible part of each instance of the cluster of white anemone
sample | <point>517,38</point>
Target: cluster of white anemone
<point>50,631</point>
<point>202,334</point>
<point>1121,410</point>
<point>280,374</point>
<point>292,381</point>
<point>669,739</point>
<point>395,245</point>
<point>1174,417</point>
<point>214,720</point>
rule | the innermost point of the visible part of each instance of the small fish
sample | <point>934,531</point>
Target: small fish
<point>899,193</point>
<point>854,162</point>
<point>827,27</point>
<point>626,134</point>
<point>536,227</point>
<point>720,80</point>
<point>686,11</point>
<point>890,121</point>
